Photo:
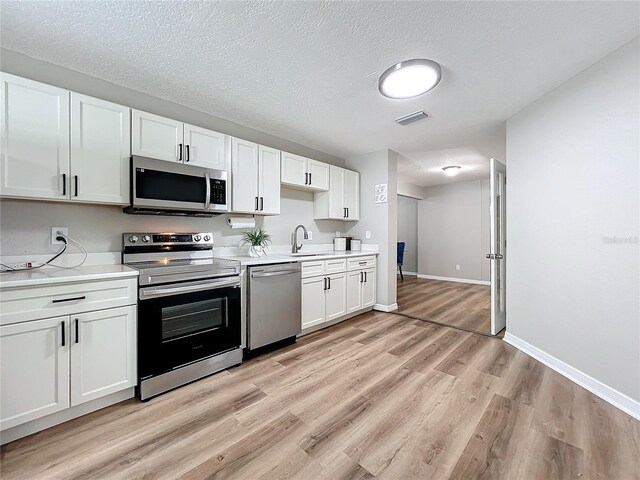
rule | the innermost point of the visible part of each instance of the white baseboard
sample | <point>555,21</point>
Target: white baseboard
<point>605,392</point>
<point>385,308</point>
<point>452,279</point>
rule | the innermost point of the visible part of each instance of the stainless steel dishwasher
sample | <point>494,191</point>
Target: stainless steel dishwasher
<point>275,310</point>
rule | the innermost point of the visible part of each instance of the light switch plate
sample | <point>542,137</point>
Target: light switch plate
<point>309,235</point>
<point>367,235</point>
<point>338,234</point>
<point>458,267</point>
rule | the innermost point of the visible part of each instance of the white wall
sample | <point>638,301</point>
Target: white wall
<point>453,229</point>
<point>573,221</point>
<point>410,190</point>
<point>408,231</point>
<point>378,218</point>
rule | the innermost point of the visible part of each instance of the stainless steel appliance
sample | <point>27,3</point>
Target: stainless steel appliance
<point>159,187</point>
<point>275,310</point>
<point>189,309</point>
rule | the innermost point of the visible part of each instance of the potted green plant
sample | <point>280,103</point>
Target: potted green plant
<point>257,240</point>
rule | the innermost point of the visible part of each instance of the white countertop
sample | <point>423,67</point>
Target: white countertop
<point>52,275</point>
<point>281,257</point>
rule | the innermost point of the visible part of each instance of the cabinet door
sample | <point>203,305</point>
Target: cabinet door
<point>205,148</point>
<point>369,288</point>
<point>156,137</point>
<point>318,175</point>
<point>100,150</point>
<point>244,176</point>
<point>354,291</point>
<point>103,353</point>
<point>269,180</point>
<point>313,304</point>
<point>35,370</point>
<point>336,296</point>
<point>336,193</point>
<point>35,139</point>
<point>294,170</point>
<point>352,194</point>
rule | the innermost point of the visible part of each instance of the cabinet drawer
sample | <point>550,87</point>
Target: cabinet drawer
<point>335,266</point>
<point>361,262</point>
<point>312,269</point>
<point>24,304</point>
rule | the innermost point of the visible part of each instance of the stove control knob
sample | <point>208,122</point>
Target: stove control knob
<point>146,239</point>
<point>197,238</point>
<point>133,239</point>
<point>207,238</point>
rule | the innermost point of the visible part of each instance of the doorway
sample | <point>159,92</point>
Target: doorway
<point>456,235</point>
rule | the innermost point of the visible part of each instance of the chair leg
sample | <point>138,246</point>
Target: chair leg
<point>401,275</point>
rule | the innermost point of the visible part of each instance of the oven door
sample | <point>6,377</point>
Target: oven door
<point>182,323</point>
<point>157,184</point>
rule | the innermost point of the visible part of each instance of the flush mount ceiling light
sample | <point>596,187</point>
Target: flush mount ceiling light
<point>410,78</point>
<point>451,170</point>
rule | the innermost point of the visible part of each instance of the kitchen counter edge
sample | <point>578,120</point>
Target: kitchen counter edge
<point>51,276</point>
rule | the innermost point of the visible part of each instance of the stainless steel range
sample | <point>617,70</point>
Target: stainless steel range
<point>188,309</point>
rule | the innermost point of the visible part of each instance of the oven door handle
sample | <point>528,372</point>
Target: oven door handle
<point>154,292</point>
<point>207,179</point>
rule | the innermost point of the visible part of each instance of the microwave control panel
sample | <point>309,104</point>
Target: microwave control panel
<point>218,192</point>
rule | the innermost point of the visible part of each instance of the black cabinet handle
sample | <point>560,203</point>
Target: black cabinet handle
<point>329,281</point>
<point>309,178</point>
<point>179,152</point>
<point>325,283</point>
<point>64,184</point>
<point>63,329</point>
<point>60,300</point>
<point>261,203</point>
<point>75,180</point>
<point>347,209</point>
<point>77,332</point>
<point>306,179</point>
<point>187,148</point>
<point>365,277</point>
<point>256,204</point>
<point>361,277</point>
<point>344,212</point>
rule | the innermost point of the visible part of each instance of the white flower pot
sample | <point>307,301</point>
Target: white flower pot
<point>256,251</point>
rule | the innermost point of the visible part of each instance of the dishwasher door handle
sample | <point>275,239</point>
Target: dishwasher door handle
<point>274,274</point>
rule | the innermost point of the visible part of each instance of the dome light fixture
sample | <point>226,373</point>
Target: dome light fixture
<point>451,170</point>
<point>410,78</point>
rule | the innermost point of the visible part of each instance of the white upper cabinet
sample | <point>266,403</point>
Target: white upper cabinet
<point>157,137</point>
<point>100,151</point>
<point>205,148</point>
<point>342,201</point>
<point>103,353</point>
<point>304,173</point>
<point>269,181</point>
<point>318,175</point>
<point>351,194</point>
<point>35,139</point>
<point>35,370</point>
<point>244,176</point>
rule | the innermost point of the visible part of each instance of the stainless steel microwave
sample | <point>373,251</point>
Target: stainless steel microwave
<point>159,187</point>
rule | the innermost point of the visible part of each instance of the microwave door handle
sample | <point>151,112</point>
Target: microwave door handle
<point>207,179</point>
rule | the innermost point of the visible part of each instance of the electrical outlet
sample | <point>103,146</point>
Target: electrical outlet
<point>338,234</point>
<point>54,234</point>
<point>458,267</point>
<point>19,266</point>
<point>309,235</point>
<point>367,235</point>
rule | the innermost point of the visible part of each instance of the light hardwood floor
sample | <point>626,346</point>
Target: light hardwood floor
<point>378,396</point>
<point>460,305</point>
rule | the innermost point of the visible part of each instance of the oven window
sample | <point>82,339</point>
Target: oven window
<point>174,187</point>
<point>180,321</point>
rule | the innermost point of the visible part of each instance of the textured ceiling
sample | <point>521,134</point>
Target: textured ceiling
<point>307,71</point>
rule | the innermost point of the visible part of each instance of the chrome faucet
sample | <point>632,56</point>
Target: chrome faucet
<point>297,247</point>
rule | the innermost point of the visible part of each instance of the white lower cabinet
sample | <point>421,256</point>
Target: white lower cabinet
<point>35,370</point>
<point>49,365</point>
<point>330,290</point>
<point>98,336</point>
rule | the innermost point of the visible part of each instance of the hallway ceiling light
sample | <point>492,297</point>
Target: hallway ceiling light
<point>451,170</point>
<point>410,78</point>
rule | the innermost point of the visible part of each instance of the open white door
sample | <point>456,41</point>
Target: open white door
<point>497,252</point>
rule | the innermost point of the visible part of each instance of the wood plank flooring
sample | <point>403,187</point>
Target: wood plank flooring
<point>460,305</point>
<point>378,396</point>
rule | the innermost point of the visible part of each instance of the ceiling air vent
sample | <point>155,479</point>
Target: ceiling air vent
<point>412,117</point>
